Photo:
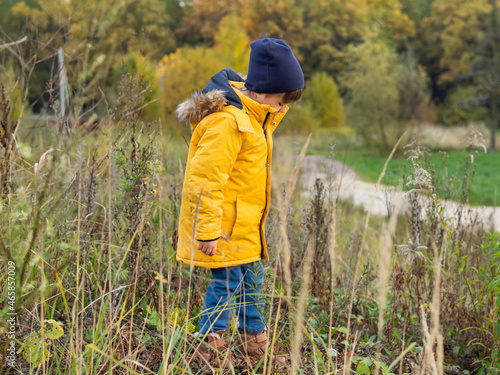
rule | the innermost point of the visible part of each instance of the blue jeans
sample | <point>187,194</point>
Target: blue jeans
<point>237,287</point>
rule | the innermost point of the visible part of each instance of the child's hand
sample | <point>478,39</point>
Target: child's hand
<point>208,248</point>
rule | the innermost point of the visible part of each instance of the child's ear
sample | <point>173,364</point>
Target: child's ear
<point>260,96</point>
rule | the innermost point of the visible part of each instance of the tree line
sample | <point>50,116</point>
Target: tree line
<point>377,65</point>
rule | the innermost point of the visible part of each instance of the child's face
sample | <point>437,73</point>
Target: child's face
<point>274,100</point>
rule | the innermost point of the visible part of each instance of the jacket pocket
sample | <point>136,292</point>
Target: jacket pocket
<point>228,218</point>
<point>248,218</point>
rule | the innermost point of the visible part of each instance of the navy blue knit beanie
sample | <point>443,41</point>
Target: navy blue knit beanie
<point>273,68</point>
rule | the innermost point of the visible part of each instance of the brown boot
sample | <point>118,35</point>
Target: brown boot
<point>210,354</point>
<point>253,347</point>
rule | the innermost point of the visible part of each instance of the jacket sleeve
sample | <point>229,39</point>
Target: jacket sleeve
<point>218,147</point>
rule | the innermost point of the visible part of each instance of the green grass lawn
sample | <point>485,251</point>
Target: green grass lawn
<point>448,169</point>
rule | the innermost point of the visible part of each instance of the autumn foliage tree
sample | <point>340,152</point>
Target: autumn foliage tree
<point>185,71</point>
<point>232,43</point>
<point>191,40</point>
<point>329,26</point>
<point>276,19</point>
<point>201,20</point>
<point>94,35</point>
<point>190,68</point>
<point>392,22</point>
<point>459,25</point>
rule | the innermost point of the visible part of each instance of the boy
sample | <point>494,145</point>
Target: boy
<point>226,192</point>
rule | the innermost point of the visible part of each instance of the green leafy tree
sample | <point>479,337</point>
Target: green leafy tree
<point>10,26</point>
<point>301,118</point>
<point>385,92</point>
<point>202,18</point>
<point>323,95</point>
<point>373,101</point>
<point>413,91</point>
<point>486,75</point>
<point>94,34</point>
<point>457,27</point>
<point>175,13</point>
<point>394,25</point>
<point>417,10</point>
<point>456,108</point>
<point>277,19</point>
<point>427,44</point>
<point>134,64</point>
<point>109,27</point>
<point>11,84</point>
<point>329,26</point>
<point>458,46</point>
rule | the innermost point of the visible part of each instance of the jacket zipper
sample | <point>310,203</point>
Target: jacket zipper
<point>267,178</point>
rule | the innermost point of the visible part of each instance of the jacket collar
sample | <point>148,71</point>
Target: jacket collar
<point>258,111</point>
<point>221,94</point>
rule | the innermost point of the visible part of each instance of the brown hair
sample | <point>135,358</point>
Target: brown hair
<point>292,96</point>
<point>288,97</point>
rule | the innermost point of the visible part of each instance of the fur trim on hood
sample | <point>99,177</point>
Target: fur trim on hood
<point>200,105</point>
<point>216,94</point>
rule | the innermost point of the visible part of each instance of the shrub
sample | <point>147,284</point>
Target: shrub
<point>300,118</point>
<point>461,106</point>
<point>136,65</point>
<point>323,96</point>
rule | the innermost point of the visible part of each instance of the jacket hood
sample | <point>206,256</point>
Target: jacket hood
<point>216,94</point>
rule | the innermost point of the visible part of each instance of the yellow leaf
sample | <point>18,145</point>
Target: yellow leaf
<point>158,276</point>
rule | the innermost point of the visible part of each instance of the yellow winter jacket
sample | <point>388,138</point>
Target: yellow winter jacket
<point>227,183</point>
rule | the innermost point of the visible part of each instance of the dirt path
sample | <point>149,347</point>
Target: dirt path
<point>348,186</point>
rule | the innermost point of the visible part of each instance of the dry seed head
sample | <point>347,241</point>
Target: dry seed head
<point>475,139</point>
<point>38,166</point>
<point>412,251</point>
<point>415,150</point>
<point>415,218</point>
<point>419,178</point>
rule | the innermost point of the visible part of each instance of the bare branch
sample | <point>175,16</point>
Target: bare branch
<point>7,45</point>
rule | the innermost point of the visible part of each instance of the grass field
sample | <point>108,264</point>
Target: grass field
<point>448,167</point>
<point>344,292</point>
